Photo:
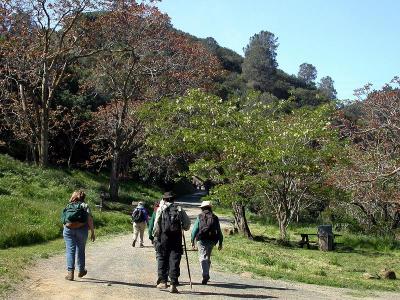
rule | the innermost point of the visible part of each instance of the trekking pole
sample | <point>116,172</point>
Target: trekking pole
<point>184,244</point>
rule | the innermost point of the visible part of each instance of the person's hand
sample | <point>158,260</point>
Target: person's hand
<point>220,247</point>
<point>92,236</point>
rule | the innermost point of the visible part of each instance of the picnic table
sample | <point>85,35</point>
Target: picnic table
<point>306,241</point>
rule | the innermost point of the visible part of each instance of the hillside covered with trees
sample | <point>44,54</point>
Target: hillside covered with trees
<point>111,86</point>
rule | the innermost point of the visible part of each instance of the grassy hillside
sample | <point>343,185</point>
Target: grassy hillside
<point>32,199</point>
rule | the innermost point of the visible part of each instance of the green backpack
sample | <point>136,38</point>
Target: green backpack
<point>73,213</point>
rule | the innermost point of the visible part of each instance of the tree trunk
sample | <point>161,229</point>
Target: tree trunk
<point>282,230</point>
<point>114,178</point>
<point>239,214</point>
<point>44,139</point>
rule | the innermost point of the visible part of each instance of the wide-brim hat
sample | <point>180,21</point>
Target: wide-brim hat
<point>168,195</point>
<point>206,204</point>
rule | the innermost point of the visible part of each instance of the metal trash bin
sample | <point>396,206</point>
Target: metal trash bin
<point>325,238</point>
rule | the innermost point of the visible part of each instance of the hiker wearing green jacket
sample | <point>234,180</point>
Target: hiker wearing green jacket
<point>207,232</point>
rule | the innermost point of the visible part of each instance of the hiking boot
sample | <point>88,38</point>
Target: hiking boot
<point>205,279</point>
<point>133,243</point>
<point>70,276</point>
<point>82,273</point>
<point>173,289</point>
<point>162,285</point>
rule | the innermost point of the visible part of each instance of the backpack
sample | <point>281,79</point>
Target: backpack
<point>138,215</point>
<point>74,213</point>
<point>171,221</point>
<point>208,227</point>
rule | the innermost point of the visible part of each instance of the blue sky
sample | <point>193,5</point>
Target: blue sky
<point>353,41</point>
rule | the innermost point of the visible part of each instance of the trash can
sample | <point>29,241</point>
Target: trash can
<point>325,238</point>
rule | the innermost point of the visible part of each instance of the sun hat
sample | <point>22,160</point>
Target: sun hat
<point>206,204</point>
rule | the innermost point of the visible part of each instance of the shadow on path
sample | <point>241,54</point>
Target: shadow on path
<point>242,286</point>
<point>241,296</point>
<point>112,282</point>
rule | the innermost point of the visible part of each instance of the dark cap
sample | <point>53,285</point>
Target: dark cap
<point>168,195</point>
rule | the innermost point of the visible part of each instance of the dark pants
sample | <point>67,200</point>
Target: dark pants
<point>168,262</point>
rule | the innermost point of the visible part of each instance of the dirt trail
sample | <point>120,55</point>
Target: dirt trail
<point>116,270</point>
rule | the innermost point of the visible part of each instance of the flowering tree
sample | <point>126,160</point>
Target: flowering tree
<point>247,149</point>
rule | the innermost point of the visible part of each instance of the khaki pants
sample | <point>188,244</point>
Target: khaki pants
<point>204,249</point>
<point>138,228</point>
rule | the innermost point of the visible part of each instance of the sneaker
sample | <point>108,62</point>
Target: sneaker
<point>133,243</point>
<point>82,273</point>
<point>205,279</point>
<point>141,245</point>
<point>173,289</point>
<point>162,285</point>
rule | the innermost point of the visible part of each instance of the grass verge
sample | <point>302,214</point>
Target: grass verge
<point>341,268</point>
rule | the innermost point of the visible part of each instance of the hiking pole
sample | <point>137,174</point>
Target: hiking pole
<point>184,245</point>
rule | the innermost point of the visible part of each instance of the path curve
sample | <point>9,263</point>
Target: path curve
<point>116,270</point>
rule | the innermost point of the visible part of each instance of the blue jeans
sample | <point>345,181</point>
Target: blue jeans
<point>75,242</point>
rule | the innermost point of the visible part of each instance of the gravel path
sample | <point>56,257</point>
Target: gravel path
<point>116,270</point>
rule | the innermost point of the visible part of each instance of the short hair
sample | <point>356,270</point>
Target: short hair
<point>78,196</point>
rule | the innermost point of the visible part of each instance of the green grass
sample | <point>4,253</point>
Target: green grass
<point>31,201</point>
<point>341,268</point>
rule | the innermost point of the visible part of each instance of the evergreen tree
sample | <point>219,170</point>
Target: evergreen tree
<point>259,65</point>
<point>326,86</point>
<point>307,73</point>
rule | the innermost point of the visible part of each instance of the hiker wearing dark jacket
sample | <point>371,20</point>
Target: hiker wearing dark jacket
<point>140,218</point>
<point>207,232</point>
<point>77,220</point>
<point>169,222</point>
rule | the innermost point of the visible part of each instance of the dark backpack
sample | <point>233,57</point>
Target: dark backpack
<point>74,213</point>
<point>208,227</point>
<point>171,221</point>
<point>138,215</point>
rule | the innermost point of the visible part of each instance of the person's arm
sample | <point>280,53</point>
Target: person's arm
<point>146,216</point>
<point>195,231</point>
<point>220,235</point>
<point>185,220</point>
<point>151,226</point>
<point>91,227</point>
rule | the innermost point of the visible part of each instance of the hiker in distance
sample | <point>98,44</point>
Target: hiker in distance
<point>169,222</point>
<point>77,220</point>
<point>140,218</point>
<point>207,232</point>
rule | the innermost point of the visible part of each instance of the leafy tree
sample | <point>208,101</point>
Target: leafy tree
<point>307,73</point>
<point>243,146</point>
<point>146,60</point>
<point>40,40</point>
<point>259,64</point>
<point>290,166</point>
<point>326,86</point>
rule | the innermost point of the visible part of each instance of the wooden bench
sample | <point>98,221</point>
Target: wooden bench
<point>306,241</point>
